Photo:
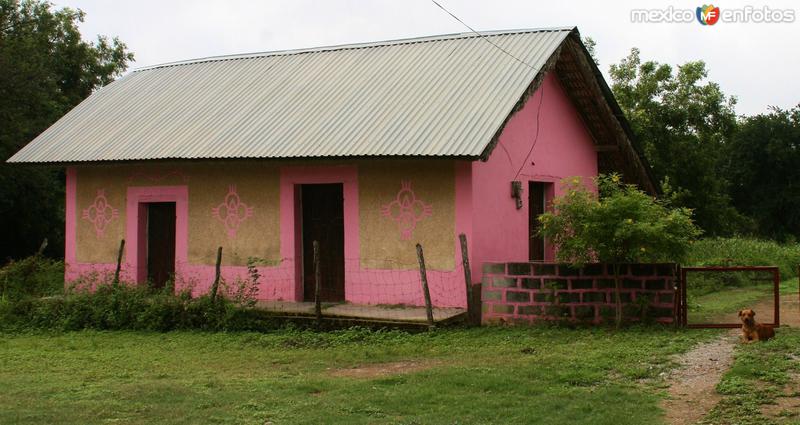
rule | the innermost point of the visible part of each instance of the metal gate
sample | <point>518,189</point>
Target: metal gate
<point>682,309</point>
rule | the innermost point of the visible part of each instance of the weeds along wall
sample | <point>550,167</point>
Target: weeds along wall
<point>253,211</point>
<point>532,292</point>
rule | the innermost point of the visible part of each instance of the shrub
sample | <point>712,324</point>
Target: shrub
<point>621,225</point>
<point>740,251</point>
<point>244,292</point>
<point>115,307</point>
<point>35,276</point>
<point>33,296</point>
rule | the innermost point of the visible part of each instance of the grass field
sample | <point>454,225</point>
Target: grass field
<point>763,386</point>
<point>716,307</point>
<point>484,375</point>
<point>710,304</point>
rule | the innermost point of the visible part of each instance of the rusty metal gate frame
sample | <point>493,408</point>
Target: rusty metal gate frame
<point>682,308</point>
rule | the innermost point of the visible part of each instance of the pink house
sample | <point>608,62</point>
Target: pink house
<point>368,149</point>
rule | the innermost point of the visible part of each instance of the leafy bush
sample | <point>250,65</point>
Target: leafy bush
<point>33,295</point>
<point>621,225</point>
<point>35,276</point>
<point>746,252</point>
<point>115,307</point>
<point>244,292</point>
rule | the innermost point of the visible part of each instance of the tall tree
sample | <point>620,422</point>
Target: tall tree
<point>764,169</point>
<point>683,121</point>
<point>46,68</point>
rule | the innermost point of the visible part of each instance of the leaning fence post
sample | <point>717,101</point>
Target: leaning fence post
<point>42,248</point>
<point>119,261</point>
<point>425,291</point>
<point>317,287</point>
<point>215,286</point>
<point>467,276</point>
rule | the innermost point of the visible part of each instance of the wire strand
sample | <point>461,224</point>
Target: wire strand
<point>536,136</point>
<point>484,37</point>
<point>541,97</point>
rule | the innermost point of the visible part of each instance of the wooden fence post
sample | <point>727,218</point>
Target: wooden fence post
<point>42,248</point>
<point>119,261</point>
<point>467,277</point>
<point>425,291</point>
<point>317,285</point>
<point>215,286</point>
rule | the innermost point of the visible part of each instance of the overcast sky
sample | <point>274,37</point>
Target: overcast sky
<point>756,62</point>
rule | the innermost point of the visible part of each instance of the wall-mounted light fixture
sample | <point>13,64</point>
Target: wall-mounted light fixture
<point>516,192</point>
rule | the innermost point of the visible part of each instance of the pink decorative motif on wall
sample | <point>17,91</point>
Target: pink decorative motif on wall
<point>406,210</point>
<point>232,212</point>
<point>100,213</point>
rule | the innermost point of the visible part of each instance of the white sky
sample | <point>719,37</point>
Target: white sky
<point>756,62</point>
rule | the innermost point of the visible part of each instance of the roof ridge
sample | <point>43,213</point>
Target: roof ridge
<point>352,46</point>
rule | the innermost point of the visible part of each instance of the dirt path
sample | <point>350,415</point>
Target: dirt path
<point>691,386</point>
<point>692,391</point>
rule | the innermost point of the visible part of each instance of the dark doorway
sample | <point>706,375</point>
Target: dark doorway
<point>323,220</point>
<point>536,207</point>
<point>160,243</point>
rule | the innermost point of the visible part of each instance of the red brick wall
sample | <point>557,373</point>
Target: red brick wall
<point>530,292</point>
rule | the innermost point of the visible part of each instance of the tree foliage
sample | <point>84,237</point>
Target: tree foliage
<point>621,225</point>
<point>764,169</point>
<point>683,122</point>
<point>46,69</point>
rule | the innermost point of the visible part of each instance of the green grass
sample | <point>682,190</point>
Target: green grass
<point>482,375</point>
<point>759,377</point>
<point>708,308</point>
<point>713,295</point>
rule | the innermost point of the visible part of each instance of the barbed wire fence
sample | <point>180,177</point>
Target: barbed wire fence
<point>379,289</point>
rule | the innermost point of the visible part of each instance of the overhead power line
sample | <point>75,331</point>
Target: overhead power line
<point>541,96</point>
<point>483,37</point>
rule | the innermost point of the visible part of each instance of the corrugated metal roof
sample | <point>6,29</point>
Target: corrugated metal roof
<point>433,96</point>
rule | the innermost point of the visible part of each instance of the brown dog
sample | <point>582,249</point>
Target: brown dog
<point>752,331</point>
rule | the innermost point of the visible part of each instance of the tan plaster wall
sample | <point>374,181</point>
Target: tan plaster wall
<point>208,184</point>
<point>94,247</point>
<point>433,183</point>
<point>258,187</point>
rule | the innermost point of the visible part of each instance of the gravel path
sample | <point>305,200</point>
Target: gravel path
<point>691,386</point>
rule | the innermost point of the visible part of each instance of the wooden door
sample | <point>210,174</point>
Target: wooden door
<point>323,221</point>
<point>536,206</point>
<point>160,243</point>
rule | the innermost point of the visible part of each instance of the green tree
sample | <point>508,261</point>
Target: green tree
<point>621,225</point>
<point>683,122</point>
<point>764,170</point>
<point>591,47</point>
<point>45,70</point>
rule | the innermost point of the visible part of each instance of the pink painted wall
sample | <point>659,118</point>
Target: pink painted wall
<point>563,148</point>
<point>447,288</point>
<point>281,281</point>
